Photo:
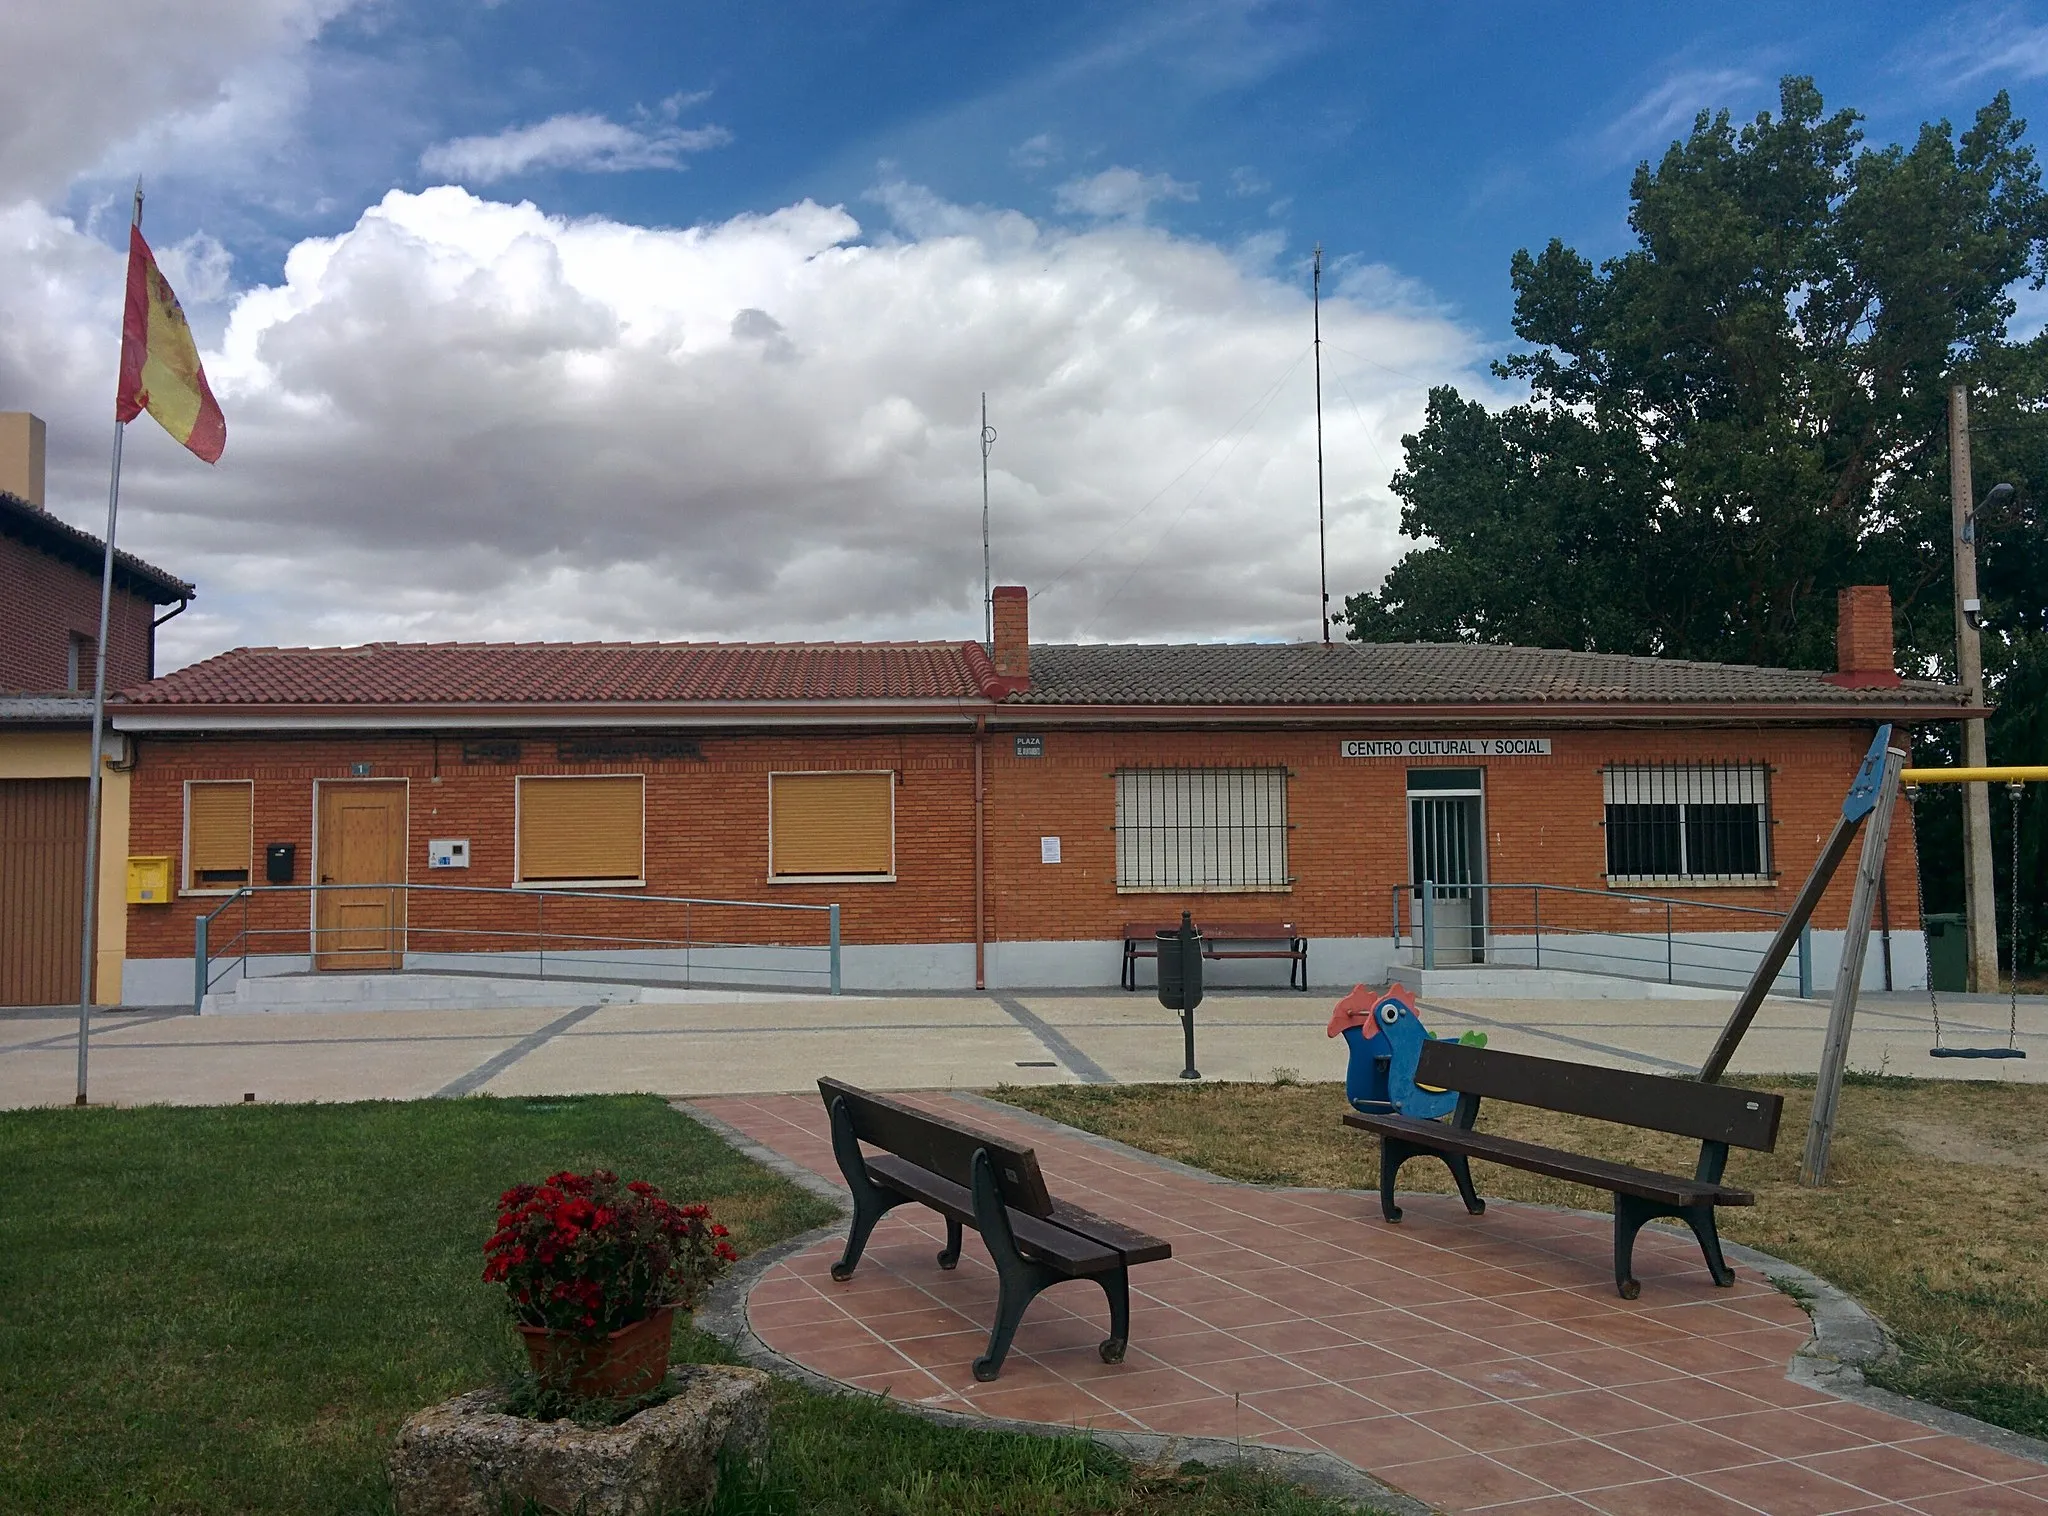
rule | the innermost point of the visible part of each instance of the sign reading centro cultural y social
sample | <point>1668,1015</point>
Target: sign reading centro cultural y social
<point>1447,747</point>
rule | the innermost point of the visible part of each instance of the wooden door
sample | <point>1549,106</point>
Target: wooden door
<point>42,889</point>
<point>362,842</point>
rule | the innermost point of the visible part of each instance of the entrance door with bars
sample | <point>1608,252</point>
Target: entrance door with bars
<point>1446,848</point>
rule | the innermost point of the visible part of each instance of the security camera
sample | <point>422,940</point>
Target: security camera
<point>1973,612</point>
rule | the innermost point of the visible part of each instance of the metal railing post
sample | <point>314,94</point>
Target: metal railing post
<point>1428,925</point>
<point>1806,962</point>
<point>1536,911</point>
<point>199,957</point>
<point>834,919</point>
<point>542,932</point>
<point>1670,966</point>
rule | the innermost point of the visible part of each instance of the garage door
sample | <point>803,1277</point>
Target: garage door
<point>42,889</point>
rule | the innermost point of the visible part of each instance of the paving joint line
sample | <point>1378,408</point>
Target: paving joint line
<point>497,1063</point>
<point>724,1316</point>
<point>1076,1062</point>
<point>70,1038</point>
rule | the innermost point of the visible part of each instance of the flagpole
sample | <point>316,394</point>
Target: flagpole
<point>95,765</point>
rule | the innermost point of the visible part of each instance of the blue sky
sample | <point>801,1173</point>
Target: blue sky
<point>1433,139</point>
<point>451,417</point>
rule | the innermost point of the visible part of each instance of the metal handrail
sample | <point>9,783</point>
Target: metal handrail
<point>1423,929</point>
<point>206,950</point>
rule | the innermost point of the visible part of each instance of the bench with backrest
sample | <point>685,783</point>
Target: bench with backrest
<point>975,1179</point>
<point>1222,939</point>
<point>1718,1115</point>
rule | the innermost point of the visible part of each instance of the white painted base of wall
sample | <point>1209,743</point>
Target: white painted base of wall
<point>451,992</point>
<point>1485,981</point>
<point>1333,963</point>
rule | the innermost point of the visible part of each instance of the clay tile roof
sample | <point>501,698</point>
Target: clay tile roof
<point>66,543</point>
<point>1423,673</point>
<point>386,673</point>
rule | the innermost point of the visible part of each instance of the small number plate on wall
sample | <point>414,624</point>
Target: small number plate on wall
<point>359,770</point>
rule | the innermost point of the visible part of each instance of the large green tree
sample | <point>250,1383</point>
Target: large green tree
<point>1747,410</point>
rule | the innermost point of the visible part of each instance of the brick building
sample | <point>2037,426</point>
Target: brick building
<point>49,632</point>
<point>992,814</point>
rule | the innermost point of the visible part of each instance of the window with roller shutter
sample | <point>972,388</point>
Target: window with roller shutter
<point>219,835</point>
<point>582,829</point>
<point>832,826</point>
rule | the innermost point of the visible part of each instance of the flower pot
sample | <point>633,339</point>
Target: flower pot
<point>631,1361</point>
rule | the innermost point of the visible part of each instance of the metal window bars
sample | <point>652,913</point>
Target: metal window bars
<point>522,933</point>
<point>1216,830</point>
<point>1696,822</point>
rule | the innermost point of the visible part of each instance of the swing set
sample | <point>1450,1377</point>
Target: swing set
<point>2016,781</point>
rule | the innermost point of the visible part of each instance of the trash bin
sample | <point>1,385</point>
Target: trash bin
<point>1948,951</point>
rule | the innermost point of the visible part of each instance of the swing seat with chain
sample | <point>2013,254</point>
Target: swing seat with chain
<point>2011,1049</point>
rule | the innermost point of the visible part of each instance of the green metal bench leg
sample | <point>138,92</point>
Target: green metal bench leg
<point>1394,1153</point>
<point>1018,1279</point>
<point>870,1201</point>
<point>1701,1219</point>
<point>950,1257</point>
<point>1630,1215</point>
<point>1117,1287</point>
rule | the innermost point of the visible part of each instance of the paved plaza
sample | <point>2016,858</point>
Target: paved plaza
<point>724,1046</point>
<point>1475,1363</point>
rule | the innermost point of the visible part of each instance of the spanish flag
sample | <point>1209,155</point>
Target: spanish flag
<point>160,370</point>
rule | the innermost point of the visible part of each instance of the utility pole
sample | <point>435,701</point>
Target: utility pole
<point>1980,899</point>
<point>1322,539</point>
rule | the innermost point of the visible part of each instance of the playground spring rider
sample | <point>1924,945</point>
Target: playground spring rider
<point>2013,790</point>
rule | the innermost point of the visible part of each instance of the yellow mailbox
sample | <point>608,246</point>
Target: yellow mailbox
<point>149,881</point>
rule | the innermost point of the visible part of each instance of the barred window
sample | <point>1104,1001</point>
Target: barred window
<point>1216,830</point>
<point>1699,822</point>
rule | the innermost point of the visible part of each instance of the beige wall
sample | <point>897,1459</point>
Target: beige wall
<point>62,755</point>
<point>21,455</point>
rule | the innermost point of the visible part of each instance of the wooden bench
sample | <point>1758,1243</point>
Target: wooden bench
<point>975,1179</point>
<point>1141,940</point>
<point>1718,1115</point>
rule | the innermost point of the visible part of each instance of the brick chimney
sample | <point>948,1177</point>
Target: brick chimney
<point>1012,650</point>
<point>21,456</point>
<point>1863,638</point>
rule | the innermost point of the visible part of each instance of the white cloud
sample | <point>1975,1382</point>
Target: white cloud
<point>579,142</point>
<point>1978,42</point>
<point>1120,193</point>
<point>461,418</point>
<point>1034,153</point>
<point>82,75</point>
<point>1248,181</point>
<point>1667,109</point>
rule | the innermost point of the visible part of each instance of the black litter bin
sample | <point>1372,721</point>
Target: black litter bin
<point>1948,951</point>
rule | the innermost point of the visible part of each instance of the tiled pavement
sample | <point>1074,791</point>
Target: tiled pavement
<point>1478,1363</point>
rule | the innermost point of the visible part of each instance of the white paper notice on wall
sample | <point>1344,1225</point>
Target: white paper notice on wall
<point>1048,850</point>
<point>448,853</point>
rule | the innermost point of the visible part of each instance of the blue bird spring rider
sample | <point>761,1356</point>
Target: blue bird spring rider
<point>1385,1036</point>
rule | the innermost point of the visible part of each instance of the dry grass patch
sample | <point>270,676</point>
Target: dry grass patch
<point>1934,1218</point>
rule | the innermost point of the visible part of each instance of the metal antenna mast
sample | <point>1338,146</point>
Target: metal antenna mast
<point>1322,543</point>
<point>988,594</point>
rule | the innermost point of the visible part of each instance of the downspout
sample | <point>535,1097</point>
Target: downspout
<point>980,875</point>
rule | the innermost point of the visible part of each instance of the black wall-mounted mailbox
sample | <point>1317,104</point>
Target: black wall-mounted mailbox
<point>280,859</point>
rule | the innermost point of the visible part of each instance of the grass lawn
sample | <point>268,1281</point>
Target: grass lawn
<point>232,1309</point>
<point>1936,1215</point>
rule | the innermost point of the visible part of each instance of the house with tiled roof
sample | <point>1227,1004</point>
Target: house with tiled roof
<point>993,815</point>
<point>49,634</point>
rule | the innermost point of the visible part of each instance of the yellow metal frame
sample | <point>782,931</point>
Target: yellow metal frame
<point>2025,774</point>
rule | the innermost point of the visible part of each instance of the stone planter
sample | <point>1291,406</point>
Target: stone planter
<point>464,1458</point>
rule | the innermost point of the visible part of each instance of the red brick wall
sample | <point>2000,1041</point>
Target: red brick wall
<point>707,829</point>
<point>1349,844</point>
<point>42,602</point>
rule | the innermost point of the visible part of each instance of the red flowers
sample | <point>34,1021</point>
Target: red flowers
<point>584,1253</point>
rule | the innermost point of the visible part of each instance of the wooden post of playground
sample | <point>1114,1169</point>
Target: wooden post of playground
<point>1827,1089</point>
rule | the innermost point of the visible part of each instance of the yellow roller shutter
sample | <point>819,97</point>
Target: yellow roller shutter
<point>218,834</point>
<point>579,828</point>
<point>833,824</point>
